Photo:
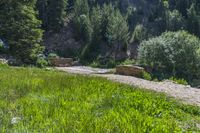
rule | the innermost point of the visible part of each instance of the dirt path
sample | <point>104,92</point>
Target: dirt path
<point>185,93</point>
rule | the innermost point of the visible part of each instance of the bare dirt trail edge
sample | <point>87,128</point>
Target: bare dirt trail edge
<point>185,93</point>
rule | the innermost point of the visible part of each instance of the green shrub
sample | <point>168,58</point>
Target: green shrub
<point>52,55</point>
<point>41,61</point>
<point>95,64</point>
<point>173,54</point>
<point>146,75</point>
<point>3,65</point>
<point>106,63</point>
<point>179,81</point>
<point>128,62</point>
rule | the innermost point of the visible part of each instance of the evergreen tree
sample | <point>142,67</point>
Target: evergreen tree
<point>56,14</point>
<point>175,20</point>
<point>96,21</point>
<point>84,28</point>
<point>180,5</point>
<point>193,21</point>
<point>81,20</point>
<point>20,28</point>
<point>81,7</point>
<point>107,10</point>
<point>42,6</point>
<point>117,32</point>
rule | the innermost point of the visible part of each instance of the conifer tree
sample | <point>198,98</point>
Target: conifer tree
<point>96,21</point>
<point>117,32</point>
<point>56,14</point>
<point>42,7</point>
<point>193,20</point>
<point>20,29</point>
<point>82,22</point>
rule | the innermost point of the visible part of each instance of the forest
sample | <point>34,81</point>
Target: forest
<point>160,34</point>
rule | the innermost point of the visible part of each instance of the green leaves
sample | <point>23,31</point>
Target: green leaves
<point>117,28</point>
<point>21,29</point>
<point>173,53</point>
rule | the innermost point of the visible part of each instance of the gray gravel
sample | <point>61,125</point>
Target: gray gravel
<point>185,93</point>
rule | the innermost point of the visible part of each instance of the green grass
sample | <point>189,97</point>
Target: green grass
<point>50,101</point>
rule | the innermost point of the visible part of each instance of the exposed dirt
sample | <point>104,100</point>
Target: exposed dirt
<point>185,93</point>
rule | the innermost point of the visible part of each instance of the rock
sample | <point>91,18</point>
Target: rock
<point>129,70</point>
<point>61,62</point>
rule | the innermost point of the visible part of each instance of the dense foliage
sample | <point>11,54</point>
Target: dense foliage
<point>105,30</point>
<point>20,29</point>
<point>49,101</point>
<point>52,14</point>
<point>173,53</point>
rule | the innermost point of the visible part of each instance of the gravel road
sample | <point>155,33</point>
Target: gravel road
<point>185,93</point>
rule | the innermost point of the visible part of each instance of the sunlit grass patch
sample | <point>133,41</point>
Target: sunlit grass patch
<point>37,100</point>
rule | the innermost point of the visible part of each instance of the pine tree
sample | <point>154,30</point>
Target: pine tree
<point>81,7</point>
<point>56,14</point>
<point>96,21</point>
<point>81,20</point>
<point>117,32</point>
<point>193,21</point>
<point>20,28</point>
<point>84,28</point>
<point>180,5</point>
<point>42,7</point>
<point>174,20</point>
<point>107,10</point>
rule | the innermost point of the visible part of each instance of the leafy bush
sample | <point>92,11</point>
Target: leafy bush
<point>52,55</point>
<point>146,75</point>
<point>179,81</point>
<point>2,65</point>
<point>172,53</point>
<point>128,62</point>
<point>41,61</point>
<point>106,63</point>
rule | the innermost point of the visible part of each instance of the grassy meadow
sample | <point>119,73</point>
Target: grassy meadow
<point>38,100</point>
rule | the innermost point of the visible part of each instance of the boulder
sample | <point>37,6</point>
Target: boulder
<point>129,70</point>
<point>61,62</point>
